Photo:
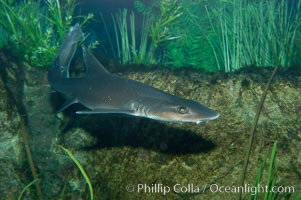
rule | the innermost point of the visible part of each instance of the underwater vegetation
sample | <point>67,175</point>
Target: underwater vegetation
<point>272,175</point>
<point>34,29</point>
<point>141,48</point>
<point>79,166</point>
<point>206,35</point>
<point>81,170</point>
<point>260,33</point>
<point>209,35</point>
<point>271,179</point>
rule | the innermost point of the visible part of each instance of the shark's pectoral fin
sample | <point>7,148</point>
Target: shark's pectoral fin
<point>67,103</point>
<point>103,111</point>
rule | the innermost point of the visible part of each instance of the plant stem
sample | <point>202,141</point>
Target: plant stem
<point>253,130</point>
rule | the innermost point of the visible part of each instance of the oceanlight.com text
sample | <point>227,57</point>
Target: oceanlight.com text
<point>160,188</point>
<point>247,188</point>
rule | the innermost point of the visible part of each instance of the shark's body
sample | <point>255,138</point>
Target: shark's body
<point>103,92</point>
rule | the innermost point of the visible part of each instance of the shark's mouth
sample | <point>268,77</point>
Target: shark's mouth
<point>208,119</point>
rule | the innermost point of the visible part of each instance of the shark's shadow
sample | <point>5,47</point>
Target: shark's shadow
<point>122,130</point>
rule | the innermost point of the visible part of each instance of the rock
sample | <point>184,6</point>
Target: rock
<point>120,152</point>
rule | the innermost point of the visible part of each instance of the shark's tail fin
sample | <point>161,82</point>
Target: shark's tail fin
<point>66,51</point>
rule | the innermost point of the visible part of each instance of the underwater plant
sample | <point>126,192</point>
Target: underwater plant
<point>26,188</point>
<point>34,30</point>
<point>192,48</point>
<point>130,48</point>
<point>81,169</point>
<point>223,35</point>
<point>142,48</point>
<point>163,15</point>
<point>272,176</point>
<point>260,33</point>
<point>79,166</point>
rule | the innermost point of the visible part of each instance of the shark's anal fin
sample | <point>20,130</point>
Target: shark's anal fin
<point>102,111</point>
<point>67,103</point>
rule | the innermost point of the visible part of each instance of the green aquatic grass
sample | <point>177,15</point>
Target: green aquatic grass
<point>34,30</point>
<point>26,188</point>
<point>170,11</point>
<point>223,35</point>
<point>122,36</point>
<point>163,15</point>
<point>298,197</point>
<point>142,48</point>
<point>61,17</point>
<point>79,166</point>
<point>272,176</point>
<point>191,48</point>
<point>130,48</point>
<point>260,33</point>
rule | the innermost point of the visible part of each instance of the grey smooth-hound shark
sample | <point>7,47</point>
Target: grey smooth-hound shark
<point>103,92</point>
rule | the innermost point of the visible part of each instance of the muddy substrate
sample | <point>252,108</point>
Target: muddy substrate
<point>166,161</point>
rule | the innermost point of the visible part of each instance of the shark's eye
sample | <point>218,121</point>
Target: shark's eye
<point>182,110</point>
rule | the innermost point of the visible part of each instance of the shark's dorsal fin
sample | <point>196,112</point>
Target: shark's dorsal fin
<point>94,67</point>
